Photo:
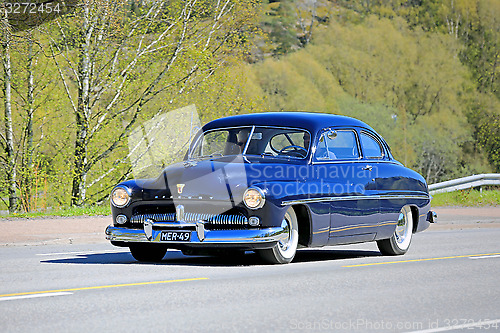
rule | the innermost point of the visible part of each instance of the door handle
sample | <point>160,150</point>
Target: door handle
<point>367,167</point>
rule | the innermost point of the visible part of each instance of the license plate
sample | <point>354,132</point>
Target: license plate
<point>175,236</point>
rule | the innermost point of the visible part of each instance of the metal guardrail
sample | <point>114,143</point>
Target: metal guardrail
<point>465,182</point>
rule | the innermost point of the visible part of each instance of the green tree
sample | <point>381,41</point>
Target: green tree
<point>113,63</point>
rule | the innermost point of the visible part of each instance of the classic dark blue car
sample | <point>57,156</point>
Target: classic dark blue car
<point>271,183</point>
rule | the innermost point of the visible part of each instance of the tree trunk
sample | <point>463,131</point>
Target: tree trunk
<point>11,174</point>
<point>28,163</point>
<point>82,115</point>
<point>30,98</point>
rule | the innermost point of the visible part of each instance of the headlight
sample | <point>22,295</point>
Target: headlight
<point>254,198</point>
<point>120,196</point>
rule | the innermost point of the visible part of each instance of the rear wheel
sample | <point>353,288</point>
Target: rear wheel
<point>148,252</point>
<point>284,251</point>
<point>399,243</point>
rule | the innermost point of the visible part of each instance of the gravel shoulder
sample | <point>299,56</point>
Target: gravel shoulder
<point>456,218</point>
<point>90,229</point>
<point>53,230</point>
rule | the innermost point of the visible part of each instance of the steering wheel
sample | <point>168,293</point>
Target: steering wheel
<point>295,149</point>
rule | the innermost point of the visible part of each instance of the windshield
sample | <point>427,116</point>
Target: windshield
<point>263,141</point>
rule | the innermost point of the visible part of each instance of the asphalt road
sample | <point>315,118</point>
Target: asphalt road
<point>448,278</point>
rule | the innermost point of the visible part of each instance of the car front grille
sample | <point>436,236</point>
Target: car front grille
<point>211,219</point>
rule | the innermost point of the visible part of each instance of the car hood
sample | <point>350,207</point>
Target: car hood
<point>224,178</point>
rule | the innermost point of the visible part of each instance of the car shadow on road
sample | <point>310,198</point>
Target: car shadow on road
<point>176,258</point>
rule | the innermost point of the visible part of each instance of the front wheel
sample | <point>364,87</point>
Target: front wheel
<point>148,252</point>
<point>399,243</point>
<point>284,251</point>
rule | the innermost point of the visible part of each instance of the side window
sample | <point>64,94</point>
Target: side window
<point>371,148</point>
<point>337,145</point>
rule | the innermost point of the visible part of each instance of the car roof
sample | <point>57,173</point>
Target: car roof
<point>312,121</point>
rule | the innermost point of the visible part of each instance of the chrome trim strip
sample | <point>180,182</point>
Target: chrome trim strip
<point>322,230</point>
<point>237,237</point>
<point>404,196</point>
<point>360,160</point>
<point>352,197</point>
<point>360,226</point>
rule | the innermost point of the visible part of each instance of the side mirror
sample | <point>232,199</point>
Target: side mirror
<point>332,134</point>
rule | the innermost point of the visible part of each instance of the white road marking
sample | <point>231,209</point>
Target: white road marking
<point>481,324</point>
<point>80,253</point>
<point>11,298</point>
<point>486,257</point>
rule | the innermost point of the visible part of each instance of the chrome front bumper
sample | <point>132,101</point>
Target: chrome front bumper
<point>199,236</point>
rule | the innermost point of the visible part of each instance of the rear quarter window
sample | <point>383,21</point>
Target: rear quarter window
<point>370,146</point>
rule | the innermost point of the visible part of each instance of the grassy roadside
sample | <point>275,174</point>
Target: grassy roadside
<point>65,212</point>
<point>467,198</point>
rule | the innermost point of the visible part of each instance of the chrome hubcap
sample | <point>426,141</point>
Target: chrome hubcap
<point>284,244</point>
<point>401,229</point>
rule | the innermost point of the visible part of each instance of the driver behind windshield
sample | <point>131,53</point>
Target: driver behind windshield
<point>236,142</point>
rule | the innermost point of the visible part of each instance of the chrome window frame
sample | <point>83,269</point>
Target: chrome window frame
<point>377,140</point>
<point>314,159</point>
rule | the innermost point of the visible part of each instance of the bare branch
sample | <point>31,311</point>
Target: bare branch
<point>70,64</point>
<point>63,79</point>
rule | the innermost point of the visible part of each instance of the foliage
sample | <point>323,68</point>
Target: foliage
<point>289,25</point>
<point>471,197</point>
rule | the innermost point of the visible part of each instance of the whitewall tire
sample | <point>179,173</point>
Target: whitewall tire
<point>400,241</point>
<point>284,251</point>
